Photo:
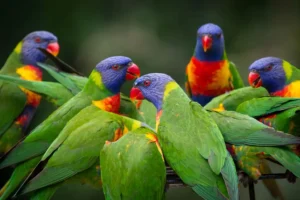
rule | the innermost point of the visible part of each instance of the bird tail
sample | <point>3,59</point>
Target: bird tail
<point>18,177</point>
<point>271,185</point>
<point>208,193</point>
<point>230,177</point>
<point>45,193</point>
<point>286,157</point>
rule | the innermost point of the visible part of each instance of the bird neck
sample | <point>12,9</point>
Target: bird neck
<point>14,61</point>
<point>96,88</point>
<point>292,73</point>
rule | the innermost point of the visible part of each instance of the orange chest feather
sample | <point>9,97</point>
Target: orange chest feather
<point>209,78</point>
<point>32,74</point>
<point>291,90</point>
<point>109,104</point>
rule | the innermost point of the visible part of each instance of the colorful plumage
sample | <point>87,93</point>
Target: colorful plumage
<point>19,104</point>
<point>209,72</point>
<point>278,76</point>
<point>104,83</point>
<point>133,167</point>
<point>197,155</point>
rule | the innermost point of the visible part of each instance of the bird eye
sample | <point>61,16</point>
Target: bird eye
<point>268,68</point>
<point>116,67</point>
<point>37,40</point>
<point>219,35</point>
<point>147,83</point>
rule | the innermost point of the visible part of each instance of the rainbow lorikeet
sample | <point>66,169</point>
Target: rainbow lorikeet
<point>278,76</point>
<point>209,72</point>
<point>133,167</point>
<point>280,113</point>
<point>74,154</point>
<point>69,85</point>
<point>19,104</point>
<point>101,90</point>
<point>197,155</point>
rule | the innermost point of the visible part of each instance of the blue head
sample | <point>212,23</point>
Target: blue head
<point>116,70</point>
<point>30,53</point>
<point>151,87</point>
<point>210,43</point>
<point>269,73</point>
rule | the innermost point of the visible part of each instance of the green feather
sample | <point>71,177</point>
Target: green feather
<point>65,81</point>
<point>239,129</point>
<point>267,105</point>
<point>53,92</point>
<point>237,79</point>
<point>234,98</point>
<point>77,148</point>
<point>133,168</point>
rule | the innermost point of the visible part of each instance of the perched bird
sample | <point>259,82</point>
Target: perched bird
<point>19,104</point>
<point>74,154</point>
<point>281,113</point>
<point>68,86</point>
<point>101,90</point>
<point>278,76</point>
<point>209,72</point>
<point>197,155</point>
<point>251,159</point>
<point>133,167</point>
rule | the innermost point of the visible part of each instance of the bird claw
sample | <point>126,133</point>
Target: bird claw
<point>291,178</point>
<point>245,179</point>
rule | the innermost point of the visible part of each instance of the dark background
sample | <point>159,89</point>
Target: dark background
<point>160,37</point>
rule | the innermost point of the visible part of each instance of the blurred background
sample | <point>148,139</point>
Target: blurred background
<point>159,35</point>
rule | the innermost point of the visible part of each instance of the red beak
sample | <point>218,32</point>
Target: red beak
<point>206,42</point>
<point>254,79</point>
<point>53,48</point>
<point>133,72</point>
<point>136,94</point>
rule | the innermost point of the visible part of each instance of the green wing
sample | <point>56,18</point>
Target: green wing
<point>37,142</point>
<point>53,92</point>
<point>232,99</point>
<point>267,105</point>
<point>237,79</point>
<point>249,158</point>
<point>79,81</point>
<point>148,111</point>
<point>61,78</point>
<point>132,162</point>
<point>12,103</point>
<point>211,146</point>
<point>239,129</point>
<point>79,150</point>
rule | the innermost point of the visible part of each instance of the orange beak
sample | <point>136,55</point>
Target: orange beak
<point>53,48</point>
<point>133,72</point>
<point>136,94</point>
<point>206,42</point>
<point>254,79</point>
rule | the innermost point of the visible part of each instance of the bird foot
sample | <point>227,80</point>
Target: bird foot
<point>244,179</point>
<point>291,178</point>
